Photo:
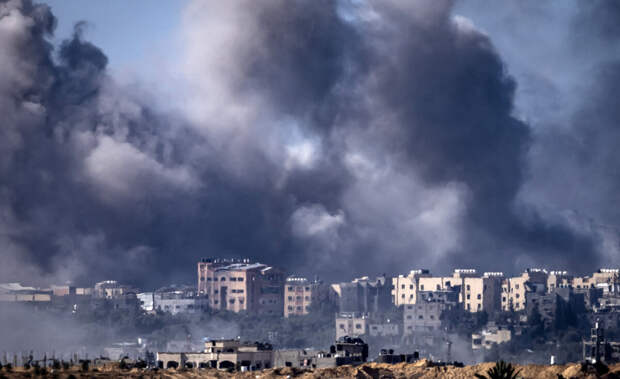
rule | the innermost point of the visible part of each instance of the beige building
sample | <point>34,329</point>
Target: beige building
<point>351,324</point>
<point>300,293</point>
<point>514,289</point>
<point>558,279</point>
<point>482,294</point>
<point>15,292</point>
<point>239,285</point>
<point>404,288</point>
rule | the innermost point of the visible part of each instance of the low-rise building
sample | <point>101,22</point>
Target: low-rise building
<point>174,300</point>
<point>109,289</point>
<point>221,354</point>
<point>346,351</point>
<point>384,329</point>
<point>490,336</point>
<point>351,324</point>
<point>15,292</point>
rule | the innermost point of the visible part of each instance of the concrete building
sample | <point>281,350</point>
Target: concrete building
<point>15,292</point>
<point>483,294</point>
<point>67,290</point>
<point>346,351</point>
<point>173,300</point>
<point>385,329</point>
<point>514,289</point>
<point>351,324</point>
<point>404,288</point>
<point>109,289</point>
<point>559,279</point>
<point>425,315</point>
<point>221,354</point>
<point>364,295</point>
<point>300,293</point>
<point>238,285</point>
<point>490,336</point>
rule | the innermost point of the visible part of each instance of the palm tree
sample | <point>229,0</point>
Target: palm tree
<point>501,370</point>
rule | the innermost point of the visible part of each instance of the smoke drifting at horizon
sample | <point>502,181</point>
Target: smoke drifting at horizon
<point>336,138</point>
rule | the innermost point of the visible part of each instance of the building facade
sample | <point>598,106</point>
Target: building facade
<point>238,285</point>
<point>300,293</point>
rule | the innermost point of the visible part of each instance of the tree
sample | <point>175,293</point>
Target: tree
<point>501,370</point>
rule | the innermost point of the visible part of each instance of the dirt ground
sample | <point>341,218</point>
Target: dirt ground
<point>422,369</point>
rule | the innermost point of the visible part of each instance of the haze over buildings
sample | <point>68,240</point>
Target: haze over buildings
<point>339,138</point>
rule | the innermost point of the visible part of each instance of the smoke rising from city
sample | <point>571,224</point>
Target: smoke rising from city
<point>331,138</point>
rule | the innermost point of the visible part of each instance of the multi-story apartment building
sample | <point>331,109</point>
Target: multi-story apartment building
<point>404,288</point>
<point>558,279</point>
<point>425,315</point>
<point>300,293</point>
<point>364,295</point>
<point>514,289</point>
<point>483,293</point>
<point>238,285</point>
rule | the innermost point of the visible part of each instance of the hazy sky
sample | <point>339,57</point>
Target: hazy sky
<point>130,32</point>
<point>338,138</point>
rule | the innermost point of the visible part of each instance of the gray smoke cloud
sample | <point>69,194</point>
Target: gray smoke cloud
<point>339,138</point>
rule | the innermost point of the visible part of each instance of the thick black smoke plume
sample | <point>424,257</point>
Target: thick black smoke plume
<point>338,138</point>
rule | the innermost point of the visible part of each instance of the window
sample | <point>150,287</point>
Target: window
<point>241,301</point>
<point>215,301</point>
<point>479,296</point>
<point>223,279</point>
<point>358,326</point>
<point>240,279</point>
<point>408,317</point>
<point>290,288</point>
<point>409,306</point>
<point>432,317</point>
<point>517,286</point>
<point>421,287</point>
<point>299,308</point>
<point>411,286</point>
<point>517,296</point>
<point>307,288</point>
<point>402,296</point>
<point>479,306</point>
<point>307,298</point>
<point>290,298</point>
<point>468,296</point>
<point>504,298</point>
<point>232,301</point>
<point>402,286</point>
<point>438,287</point>
<point>420,317</point>
<point>341,326</point>
<point>468,287</point>
<point>298,298</point>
